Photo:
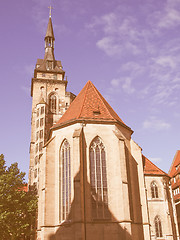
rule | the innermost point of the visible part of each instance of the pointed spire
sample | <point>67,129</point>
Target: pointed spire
<point>49,45</point>
<point>50,32</point>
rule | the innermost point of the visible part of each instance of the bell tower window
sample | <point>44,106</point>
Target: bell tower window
<point>49,65</point>
<point>53,103</point>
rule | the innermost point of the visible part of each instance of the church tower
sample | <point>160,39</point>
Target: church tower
<point>93,181</point>
<point>49,100</point>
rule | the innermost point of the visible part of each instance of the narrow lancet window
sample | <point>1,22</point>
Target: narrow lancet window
<point>65,180</point>
<point>98,179</point>
<point>158,226</point>
<point>154,190</point>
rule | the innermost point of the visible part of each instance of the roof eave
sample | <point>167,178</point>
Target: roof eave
<point>157,174</point>
<point>94,121</point>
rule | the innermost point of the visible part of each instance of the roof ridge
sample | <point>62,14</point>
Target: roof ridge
<point>83,100</point>
<point>100,96</point>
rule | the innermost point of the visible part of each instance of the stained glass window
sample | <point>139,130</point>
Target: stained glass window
<point>65,180</point>
<point>158,227</point>
<point>154,190</point>
<point>98,179</point>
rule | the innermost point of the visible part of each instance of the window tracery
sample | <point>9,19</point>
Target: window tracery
<point>158,226</point>
<point>65,180</point>
<point>98,179</point>
<point>154,190</point>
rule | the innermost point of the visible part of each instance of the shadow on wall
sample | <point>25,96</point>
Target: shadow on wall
<point>76,227</point>
<point>79,224</point>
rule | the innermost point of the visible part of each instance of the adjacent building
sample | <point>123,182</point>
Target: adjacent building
<point>93,181</point>
<point>174,173</point>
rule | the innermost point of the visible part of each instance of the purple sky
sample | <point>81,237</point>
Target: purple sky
<point>129,49</point>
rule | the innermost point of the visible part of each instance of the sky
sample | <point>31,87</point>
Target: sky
<point>129,49</point>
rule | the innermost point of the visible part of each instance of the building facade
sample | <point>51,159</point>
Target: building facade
<point>49,101</point>
<point>174,173</point>
<point>93,181</point>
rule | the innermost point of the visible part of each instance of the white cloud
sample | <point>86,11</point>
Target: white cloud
<point>124,83</point>
<point>156,124</point>
<point>119,35</point>
<point>115,82</point>
<point>166,61</point>
<point>150,56</point>
<point>127,86</point>
<point>133,68</point>
<point>167,16</point>
<point>108,45</point>
<point>169,19</point>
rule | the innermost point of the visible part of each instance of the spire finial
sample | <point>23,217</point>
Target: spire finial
<point>50,10</point>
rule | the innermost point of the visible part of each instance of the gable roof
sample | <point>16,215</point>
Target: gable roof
<point>176,161</point>
<point>89,105</point>
<point>151,169</point>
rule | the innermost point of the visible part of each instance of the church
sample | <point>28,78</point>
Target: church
<point>92,179</point>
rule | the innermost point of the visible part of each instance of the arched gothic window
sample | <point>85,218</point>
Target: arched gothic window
<point>158,227</point>
<point>154,190</point>
<point>65,180</point>
<point>53,103</point>
<point>98,179</point>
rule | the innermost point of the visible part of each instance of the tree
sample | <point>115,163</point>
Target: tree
<point>17,207</point>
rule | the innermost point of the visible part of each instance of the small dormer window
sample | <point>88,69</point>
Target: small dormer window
<point>49,65</point>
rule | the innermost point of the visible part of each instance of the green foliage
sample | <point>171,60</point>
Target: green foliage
<point>17,207</point>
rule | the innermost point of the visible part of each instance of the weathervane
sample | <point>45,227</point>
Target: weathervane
<point>50,10</point>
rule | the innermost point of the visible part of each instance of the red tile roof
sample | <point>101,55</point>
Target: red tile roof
<point>24,188</point>
<point>89,105</point>
<point>176,161</point>
<point>151,169</point>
